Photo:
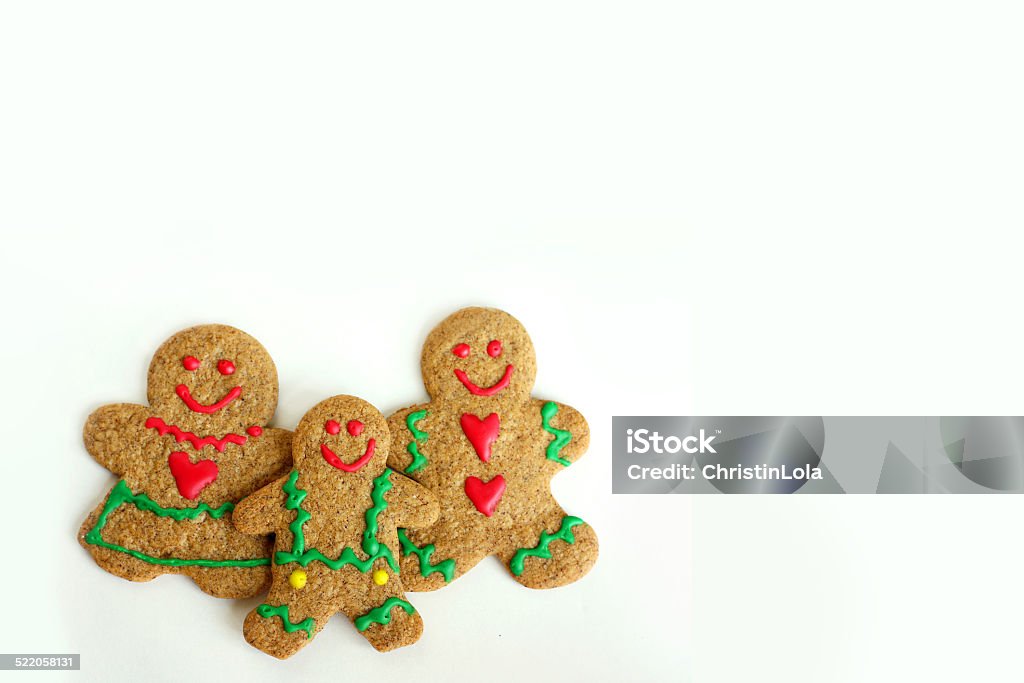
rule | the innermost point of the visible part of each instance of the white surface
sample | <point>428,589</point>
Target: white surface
<point>707,208</point>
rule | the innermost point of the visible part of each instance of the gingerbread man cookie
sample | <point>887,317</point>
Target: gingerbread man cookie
<point>488,451</point>
<point>185,461</point>
<point>335,520</point>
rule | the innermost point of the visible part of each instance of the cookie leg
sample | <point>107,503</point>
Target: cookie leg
<point>432,558</point>
<point>553,550</point>
<point>231,582</point>
<point>280,630</point>
<point>385,616</point>
<point>289,617</point>
<point>122,565</point>
<point>217,540</point>
<point>115,562</point>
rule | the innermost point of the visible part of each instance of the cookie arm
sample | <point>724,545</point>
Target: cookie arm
<point>409,439</point>
<point>410,504</point>
<point>568,430</point>
<point>271,454</point>
<point>116,434</point>
<point>262,512</point>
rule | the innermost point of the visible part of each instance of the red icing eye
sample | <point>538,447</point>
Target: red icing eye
<point>494,348</point>
<point>191,363</point>
<point>226,367</point>
<point>461,350</point>
<point>354,427</point>
<point>332,427</point>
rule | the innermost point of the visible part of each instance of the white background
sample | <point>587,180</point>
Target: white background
<point>696,208</point>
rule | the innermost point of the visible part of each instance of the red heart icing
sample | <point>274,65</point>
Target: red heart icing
<point>481,433</point>
<point>190,477</point>
<point>485,496</point>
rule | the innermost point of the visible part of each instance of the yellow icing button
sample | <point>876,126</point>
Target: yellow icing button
<point>380,577</point>
<point>297,579</point>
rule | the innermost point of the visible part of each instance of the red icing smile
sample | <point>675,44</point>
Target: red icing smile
<point>186,396</point>
<point>334,461</point>
<point>486,391</point>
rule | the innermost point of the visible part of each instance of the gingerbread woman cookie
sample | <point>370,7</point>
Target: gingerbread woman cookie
<point>488,451</point>
<point>185,461</point>
<point>335,520</point>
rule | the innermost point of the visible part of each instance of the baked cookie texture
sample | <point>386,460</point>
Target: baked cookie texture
<point>488,451</point>
<point>335,521</point>
<point>185,460</point>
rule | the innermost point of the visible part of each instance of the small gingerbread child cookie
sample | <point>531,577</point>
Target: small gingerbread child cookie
<point>335,520</point>
<point>185,461</point>
<point>488,451</point>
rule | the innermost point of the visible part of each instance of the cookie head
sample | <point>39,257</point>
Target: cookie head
<point>342,436</point>
<point>479,353</point>
<point>213,379</point>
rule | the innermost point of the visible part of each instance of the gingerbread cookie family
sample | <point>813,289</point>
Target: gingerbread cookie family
<point>184,461</point>
<point>488,451</point>
<point>351,510</point>
<point>335,521</point>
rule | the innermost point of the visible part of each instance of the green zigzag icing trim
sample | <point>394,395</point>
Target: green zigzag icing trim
<point>371,546</point>
<point>445,568</point>
<point>270,611</point>
<point>410,422</point>
<point>296,496</point>
<point>121,494</point>
<point>381,485</point>
<point>541,550</point>
<point>562,436</point>
<point>419,461</point>
<point>382,614</point>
